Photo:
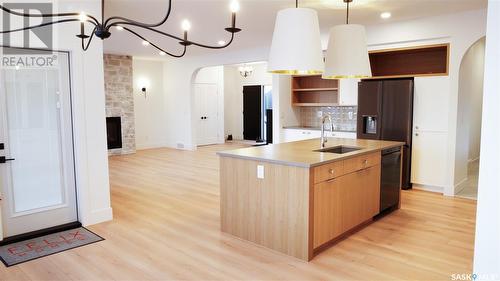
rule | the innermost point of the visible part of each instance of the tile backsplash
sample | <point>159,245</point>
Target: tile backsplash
<point>344,117</point>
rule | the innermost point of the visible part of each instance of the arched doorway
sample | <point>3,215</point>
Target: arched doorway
<point>470,100</point>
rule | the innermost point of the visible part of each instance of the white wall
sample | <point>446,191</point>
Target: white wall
<point>233,85</point>
<point>89,117</point>
<point>470,97</point>
<point>487,246</point>
<point>283,113</point>
<point>149,110</point>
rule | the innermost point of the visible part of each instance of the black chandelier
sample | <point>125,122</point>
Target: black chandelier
<point>102,29</point>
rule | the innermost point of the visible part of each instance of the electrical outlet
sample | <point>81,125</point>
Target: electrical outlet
<point>260,171</point>
<point>319,114</point>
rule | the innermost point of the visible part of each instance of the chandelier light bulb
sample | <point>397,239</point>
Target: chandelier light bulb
<point>186,25</point>
<point>145,43</point>
<point>221,43</point>
<point>163,53</point>
<point>235,6</point>
<point>82,17</point>
<point>119,27</point>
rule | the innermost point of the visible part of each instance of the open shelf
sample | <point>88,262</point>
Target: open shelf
<point>431,60</point>
<point>315,104</point>
<point>314,91</point>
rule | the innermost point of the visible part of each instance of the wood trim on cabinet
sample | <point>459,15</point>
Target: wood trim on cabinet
<point>310,245</point>
<point>433,61</point>
<point>409,48</point>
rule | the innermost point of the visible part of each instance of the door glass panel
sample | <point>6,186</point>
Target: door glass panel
<point>34,130</point>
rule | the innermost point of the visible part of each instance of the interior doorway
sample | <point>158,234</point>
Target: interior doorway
<point>37,169</point>
<point>470,101</point>
<point>257,113</point>
<point>252,113</point>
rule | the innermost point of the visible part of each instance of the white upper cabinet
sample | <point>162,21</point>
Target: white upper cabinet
<point>348,91</point>
<point>432,97</point>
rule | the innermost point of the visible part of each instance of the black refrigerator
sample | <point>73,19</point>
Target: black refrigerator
<point>385,112</point>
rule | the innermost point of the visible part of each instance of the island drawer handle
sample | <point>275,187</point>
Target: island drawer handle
<point>331,171</point>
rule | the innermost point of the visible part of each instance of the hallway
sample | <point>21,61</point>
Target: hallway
<point>471,185</point>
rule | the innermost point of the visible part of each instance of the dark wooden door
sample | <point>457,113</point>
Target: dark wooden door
<point>252,112</point>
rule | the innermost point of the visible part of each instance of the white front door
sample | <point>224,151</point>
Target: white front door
<point>207,113</point>
<point>38,185</point>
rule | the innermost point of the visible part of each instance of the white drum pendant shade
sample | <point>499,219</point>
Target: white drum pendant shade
<point>296,47</point>
<point>347,54</point>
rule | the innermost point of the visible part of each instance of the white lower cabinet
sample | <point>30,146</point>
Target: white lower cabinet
<point>342,135</point>
<point>429,158</point>
<point>298,134</point>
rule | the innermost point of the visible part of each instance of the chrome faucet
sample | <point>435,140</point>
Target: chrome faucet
<point>323,120</point>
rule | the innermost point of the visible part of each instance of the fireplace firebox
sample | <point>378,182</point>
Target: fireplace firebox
<point>114,129</point>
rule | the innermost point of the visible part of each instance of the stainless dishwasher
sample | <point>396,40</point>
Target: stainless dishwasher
<point>390,180</point>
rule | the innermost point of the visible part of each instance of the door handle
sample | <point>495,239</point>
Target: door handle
<point>4,160</point>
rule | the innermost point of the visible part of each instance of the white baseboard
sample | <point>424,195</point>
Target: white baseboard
<point>436,189</point>
<point>143,146</point>
<point>99,216</point>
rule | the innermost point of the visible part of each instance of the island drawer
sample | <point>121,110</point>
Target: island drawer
<point>328,171</point>
<point>361,162</point>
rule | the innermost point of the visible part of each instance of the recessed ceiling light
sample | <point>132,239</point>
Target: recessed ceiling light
<point>145,43</point>
<point>163,53</point>
<point>119,27</point>
<point>221,43</point>
<point>385,15</point>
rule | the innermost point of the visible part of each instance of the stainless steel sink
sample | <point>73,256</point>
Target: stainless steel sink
<point>340,149</point>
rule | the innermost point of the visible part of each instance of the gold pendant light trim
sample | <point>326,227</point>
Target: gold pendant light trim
<point>346,77</point>
<point>297,72</point>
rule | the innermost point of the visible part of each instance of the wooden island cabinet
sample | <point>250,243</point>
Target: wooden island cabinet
<point>292,199</point>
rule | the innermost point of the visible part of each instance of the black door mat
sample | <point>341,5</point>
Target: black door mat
<point>31,249</point>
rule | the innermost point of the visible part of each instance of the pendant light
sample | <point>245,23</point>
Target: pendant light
<point>296,46</point>
<point>347,54</point>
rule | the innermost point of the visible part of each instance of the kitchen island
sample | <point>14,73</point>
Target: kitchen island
<point>297,199</point>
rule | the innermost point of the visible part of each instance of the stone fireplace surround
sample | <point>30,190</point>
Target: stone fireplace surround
<point>118,80</point>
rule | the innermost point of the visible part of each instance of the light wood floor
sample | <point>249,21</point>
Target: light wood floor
<point>166,226</point>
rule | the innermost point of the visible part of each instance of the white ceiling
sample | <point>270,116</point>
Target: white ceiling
<point>256,18</point>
